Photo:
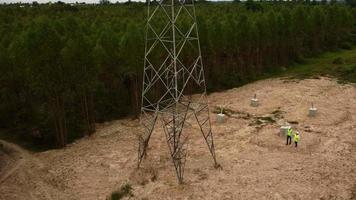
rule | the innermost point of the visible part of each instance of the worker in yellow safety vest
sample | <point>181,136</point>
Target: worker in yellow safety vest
<point>289,136</point>
<point>296,138</point>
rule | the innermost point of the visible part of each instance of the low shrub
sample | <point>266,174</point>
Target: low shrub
<point>124,191</point>
<point>346,45</point>
<point>338,61</point>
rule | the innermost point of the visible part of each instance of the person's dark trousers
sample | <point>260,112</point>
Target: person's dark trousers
<point>289,140</point>
<point>296,144</point>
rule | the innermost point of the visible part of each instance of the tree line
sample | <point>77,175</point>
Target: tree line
<point>64,68</point>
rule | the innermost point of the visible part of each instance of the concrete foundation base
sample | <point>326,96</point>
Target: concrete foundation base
<point>312,112</point>
<point>254,102</point>
<point>220,118</point>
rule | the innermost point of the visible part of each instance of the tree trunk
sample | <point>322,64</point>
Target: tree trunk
<point>88,113</point>
<point>91,113</point>
<point>57,106</point>
<point>134,97</point>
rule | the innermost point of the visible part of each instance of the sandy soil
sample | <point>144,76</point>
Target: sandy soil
<point>256,163</point>
<point>8,158</point>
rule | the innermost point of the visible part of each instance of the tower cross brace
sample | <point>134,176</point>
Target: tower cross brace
<point>174,87</point>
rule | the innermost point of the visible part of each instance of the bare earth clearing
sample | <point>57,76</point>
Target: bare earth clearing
<point>256,162</point>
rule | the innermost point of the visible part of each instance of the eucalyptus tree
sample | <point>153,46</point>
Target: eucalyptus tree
<point>46,74</point>
<point>78,59</point>
<point>132,62</point>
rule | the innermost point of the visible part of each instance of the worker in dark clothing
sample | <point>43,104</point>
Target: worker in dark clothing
<point>289,136</point>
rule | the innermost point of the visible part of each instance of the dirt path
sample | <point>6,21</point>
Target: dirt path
<point>26,177</point>
<point>15,157</point>
<point>256,162</point>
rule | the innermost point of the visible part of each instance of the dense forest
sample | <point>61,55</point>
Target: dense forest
<point>64,67</point>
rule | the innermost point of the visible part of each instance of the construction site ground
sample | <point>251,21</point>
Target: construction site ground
<point>256,162</point>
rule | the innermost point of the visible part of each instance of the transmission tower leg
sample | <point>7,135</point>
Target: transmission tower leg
<point>148,123</point>
<point>173,124</point>
<point>202,116</point>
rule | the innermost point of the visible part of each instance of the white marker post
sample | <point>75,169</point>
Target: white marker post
<point>254,101</point>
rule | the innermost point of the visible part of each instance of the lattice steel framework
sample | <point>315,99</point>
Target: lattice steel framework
<point>173,71</point>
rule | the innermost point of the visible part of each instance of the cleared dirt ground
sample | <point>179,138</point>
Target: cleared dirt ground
<point>256,163</point>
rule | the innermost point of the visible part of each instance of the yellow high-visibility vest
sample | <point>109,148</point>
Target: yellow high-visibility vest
<point>296,138</point>
<point>289,133</point>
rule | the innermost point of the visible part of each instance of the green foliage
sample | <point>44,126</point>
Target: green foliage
<point>253,5</point>
<point>347,73</point>
<point>337,64</point>
<point>64,68</point>
<point>338,60</point>
<point>352,3</point>
<point>124,191</point>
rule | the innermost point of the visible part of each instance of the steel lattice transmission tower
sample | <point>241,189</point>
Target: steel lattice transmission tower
<point>173,72</point>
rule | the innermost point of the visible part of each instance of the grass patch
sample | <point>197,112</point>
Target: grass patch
<point>339,64</point>
<point>338,61</point>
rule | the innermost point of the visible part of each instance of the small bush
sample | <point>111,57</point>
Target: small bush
<point>347,73</point>
<point>350,68</point>
<point>346,45</point>
<point>338,61</point>
<point>124,191</point>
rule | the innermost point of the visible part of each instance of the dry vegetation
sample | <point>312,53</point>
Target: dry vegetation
<point>256,162</point>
